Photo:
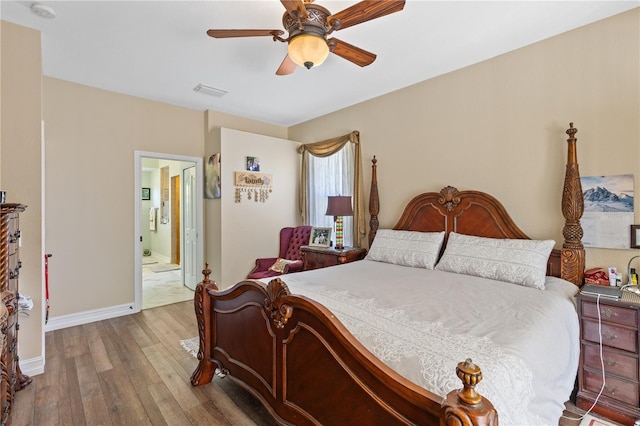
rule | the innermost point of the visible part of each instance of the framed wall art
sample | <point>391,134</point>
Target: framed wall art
<point>212,177</point>
<point>635,236</point>
<point>146,193</point>
<point>253,164</point>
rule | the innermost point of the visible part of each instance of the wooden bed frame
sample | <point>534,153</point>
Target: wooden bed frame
<point>305,367</point>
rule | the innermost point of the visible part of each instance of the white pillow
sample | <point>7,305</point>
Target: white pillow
<point>407,248</point>
<point>521,262</point>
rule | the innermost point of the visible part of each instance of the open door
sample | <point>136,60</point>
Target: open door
<point>189,227</point>
<point>191,194</point>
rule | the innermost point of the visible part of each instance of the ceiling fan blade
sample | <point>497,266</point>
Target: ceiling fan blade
<point>286,67</point>
<point>243,33</point>
<point>365,11</point>
<point>351,53</point>
<point>295,5</point>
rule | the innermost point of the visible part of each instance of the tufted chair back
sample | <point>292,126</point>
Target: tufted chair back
<point>291,239</point>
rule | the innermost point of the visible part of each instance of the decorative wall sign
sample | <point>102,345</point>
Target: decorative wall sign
<point>257,186</point>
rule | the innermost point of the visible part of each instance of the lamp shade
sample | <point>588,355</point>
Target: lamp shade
<point>308,50</point>
<point>339,205</point>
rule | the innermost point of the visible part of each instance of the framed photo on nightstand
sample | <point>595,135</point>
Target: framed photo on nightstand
<point>320,237</point>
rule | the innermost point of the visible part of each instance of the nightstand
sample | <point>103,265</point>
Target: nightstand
<point>620,399</point>
<point>320,257</point>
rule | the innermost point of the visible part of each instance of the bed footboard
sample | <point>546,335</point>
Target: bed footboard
<point>307,369</point>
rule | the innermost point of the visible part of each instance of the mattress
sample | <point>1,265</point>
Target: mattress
<point>423,322</point>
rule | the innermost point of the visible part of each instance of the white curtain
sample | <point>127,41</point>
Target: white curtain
<point>332,175</point>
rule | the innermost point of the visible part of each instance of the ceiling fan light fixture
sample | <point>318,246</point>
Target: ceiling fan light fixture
<point>308,50</point>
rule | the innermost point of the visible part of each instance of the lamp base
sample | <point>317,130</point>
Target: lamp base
<point>339,245</point>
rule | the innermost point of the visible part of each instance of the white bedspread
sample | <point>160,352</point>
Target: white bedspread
<point>422,323</point>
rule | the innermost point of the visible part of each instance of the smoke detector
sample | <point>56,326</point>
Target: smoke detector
<point>43,11</point>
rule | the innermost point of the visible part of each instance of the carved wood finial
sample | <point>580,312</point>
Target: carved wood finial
<point>449,198</point>
<point>467,406</point>
<point>471,375</point>
<point>374,202</point>
<point>572,210</point>
<point>279,311</point>
<point>206,272</point>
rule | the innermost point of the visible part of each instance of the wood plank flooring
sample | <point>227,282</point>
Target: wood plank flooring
<point>132,370</point>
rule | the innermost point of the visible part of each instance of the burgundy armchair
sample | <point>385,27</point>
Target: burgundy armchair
<point>290,241</point>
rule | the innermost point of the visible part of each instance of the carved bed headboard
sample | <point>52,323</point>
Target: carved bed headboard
<point>479,214</point>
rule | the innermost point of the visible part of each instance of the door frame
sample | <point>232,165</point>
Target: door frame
<point>199,201</point>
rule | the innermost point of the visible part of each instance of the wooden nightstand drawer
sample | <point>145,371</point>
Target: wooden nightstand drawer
<point>321,257</point>
<point>614,362</point>
<point>620,399</point>
<point>617,314</point>
<point>612,335</point>
<point>619,389</point>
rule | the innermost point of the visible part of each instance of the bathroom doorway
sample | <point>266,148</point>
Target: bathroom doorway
<point>168,229</point>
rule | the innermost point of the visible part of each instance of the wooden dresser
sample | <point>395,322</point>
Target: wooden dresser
<point>12,378</point>
<point>320,257</point>
<point>620,399</point>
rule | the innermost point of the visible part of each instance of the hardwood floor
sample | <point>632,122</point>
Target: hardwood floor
<point>132,370</point>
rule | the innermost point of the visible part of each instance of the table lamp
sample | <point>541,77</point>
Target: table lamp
<point>339,206</point>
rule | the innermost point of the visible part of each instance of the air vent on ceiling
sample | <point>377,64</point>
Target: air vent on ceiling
<point>208,90</point>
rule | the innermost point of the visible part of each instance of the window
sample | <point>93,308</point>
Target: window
<point>333,167</point>
<point>332,175</point>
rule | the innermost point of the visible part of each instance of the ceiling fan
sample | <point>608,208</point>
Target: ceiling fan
<point>309,24</point>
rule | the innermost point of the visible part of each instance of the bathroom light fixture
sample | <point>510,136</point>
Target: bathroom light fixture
<point>43,11</point>
<point>208,90</point>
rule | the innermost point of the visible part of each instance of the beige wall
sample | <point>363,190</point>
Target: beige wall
<point>499,126</point>
<point>214,122</point>
<point>91,136</point>
<point>251,229</point>
<point>20,168</point>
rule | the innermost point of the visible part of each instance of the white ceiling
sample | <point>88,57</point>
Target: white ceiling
<point>159,50</point>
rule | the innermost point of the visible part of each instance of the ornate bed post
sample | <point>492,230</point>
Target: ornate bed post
<point>466,406</point>
<point>374,202</point>
<point>572,259</point>
<point>202,303</point>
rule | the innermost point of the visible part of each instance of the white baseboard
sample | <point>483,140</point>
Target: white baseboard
<point>33,366</point>
<point>64,321</point>
<point>158,256</point>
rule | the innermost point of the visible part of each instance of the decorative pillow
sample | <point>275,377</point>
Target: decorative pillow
<point>407,248</point>
<point>522,262</point>
<point>280,264</point>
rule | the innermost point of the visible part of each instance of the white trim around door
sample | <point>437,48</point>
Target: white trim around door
<point>199,208</point>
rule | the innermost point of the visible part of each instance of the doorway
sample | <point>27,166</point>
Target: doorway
<point>168,234</point>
